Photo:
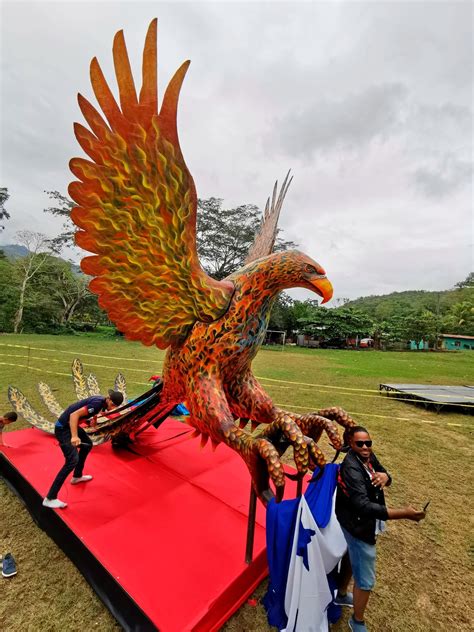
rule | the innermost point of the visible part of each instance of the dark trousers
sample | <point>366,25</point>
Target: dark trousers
<point>75,458</point>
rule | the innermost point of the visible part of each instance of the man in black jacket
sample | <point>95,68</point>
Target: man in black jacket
<point>361,511</point>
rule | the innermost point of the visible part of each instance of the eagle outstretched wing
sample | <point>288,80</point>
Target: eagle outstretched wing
<point>266,234</point>
<point>137,207</point>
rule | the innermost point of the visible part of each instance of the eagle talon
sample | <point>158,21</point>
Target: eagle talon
<point>282,432</point>
<point>264,465</point>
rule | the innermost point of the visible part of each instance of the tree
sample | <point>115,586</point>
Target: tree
<point>400,327</point>
<point>63,210</point>
<point>281,317</point>
<point>460,319</point>
<point>68,287</point>
<point>305,311</point>
<point>57,299</point>
<point>392,329</point>
<point>421,325</point>
<point>9,294</point>
<point>4,214</point>
<point>89,312</point>
<point>27,267</point>
<point>224,236</point>
<point>290,315</point>
<point>467,283</point>
<point>340,323</point>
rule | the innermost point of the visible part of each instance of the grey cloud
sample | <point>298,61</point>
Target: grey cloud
<point>445,176</point>
<point>448,125</point>
<point>439,141</point>
<point>349,123</point>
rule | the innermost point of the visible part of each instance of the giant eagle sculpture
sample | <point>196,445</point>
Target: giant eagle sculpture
<point>136,212</point>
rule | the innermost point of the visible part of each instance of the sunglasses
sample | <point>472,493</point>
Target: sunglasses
<point>361,444</point>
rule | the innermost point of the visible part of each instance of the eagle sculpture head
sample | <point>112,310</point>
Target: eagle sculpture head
<point>283,270</point>
<point>307,273</point>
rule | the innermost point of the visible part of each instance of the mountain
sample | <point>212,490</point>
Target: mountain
<point>13,251</point>
<point>383,306</point>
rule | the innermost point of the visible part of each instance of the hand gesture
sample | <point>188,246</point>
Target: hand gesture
<point>75,441</point>
<point>380,479</point>
<point>415,514</point>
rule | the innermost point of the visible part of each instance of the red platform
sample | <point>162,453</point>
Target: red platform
<point>166,523</point>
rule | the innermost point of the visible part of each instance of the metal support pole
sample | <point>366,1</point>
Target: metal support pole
<point>251,525</point>
<point>299,487</point>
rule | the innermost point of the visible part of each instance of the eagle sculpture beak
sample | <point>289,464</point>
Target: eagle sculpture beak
<point>323,287</point>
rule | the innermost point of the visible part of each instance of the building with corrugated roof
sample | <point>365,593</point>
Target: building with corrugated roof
<point>453,342</point>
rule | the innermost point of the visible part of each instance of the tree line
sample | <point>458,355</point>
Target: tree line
<point>43,293</point>
<point>395,318</point>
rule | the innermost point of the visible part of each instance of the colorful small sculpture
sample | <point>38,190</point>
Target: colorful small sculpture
<point>136,211</point>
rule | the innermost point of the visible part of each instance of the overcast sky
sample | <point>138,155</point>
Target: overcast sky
<point>369,104</point>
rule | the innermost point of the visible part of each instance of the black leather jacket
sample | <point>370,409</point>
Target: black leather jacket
<point>358,503</point>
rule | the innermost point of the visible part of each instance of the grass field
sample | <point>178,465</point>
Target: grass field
<point>425,575</point>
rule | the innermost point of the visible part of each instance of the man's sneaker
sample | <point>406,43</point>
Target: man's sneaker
<point>54,503</point>
<point>8,566</point>
<point>344,600</point>
<point>81,479</point>
<point>355,626</point>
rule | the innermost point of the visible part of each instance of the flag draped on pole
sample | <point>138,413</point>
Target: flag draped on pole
<point>304,544</point>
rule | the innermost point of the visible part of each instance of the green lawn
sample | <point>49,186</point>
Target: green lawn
<point>425,577</point>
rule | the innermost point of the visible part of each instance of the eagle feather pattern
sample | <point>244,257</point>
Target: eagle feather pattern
<point>137,207</point>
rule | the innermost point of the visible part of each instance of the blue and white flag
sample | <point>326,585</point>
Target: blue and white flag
<point>304,544</point>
